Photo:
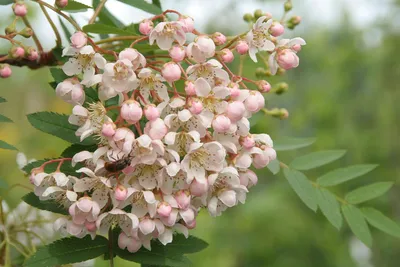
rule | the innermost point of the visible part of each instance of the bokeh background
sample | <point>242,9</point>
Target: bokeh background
<point>346,93</point>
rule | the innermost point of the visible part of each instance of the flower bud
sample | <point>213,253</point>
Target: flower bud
<point>248,142</point>
<point>183,199</point>
<point>258,13</point>
<point>276,29</point>
<point>287,59</point>
<point>156,129</point>
<point>281,88</point>
<point>151,112</point>
<point>147,225</point>
<point>108,129</point>
<point>189,88</point>
<point>61,3</point>
<point>171,72</point>
<point>177,53</point>
<point>234,90</point>
<point>296,47</point>
<point>242,47</point>
<point>288,6</point>
<point>90,226</point>
<point>248,17</point>
<point>221,124</point>
<point>71,91</point>
<point>33,55</point>
<point>17,52</point>
<point>198,189</point>
<point>235,111</point>
<point>5,71</point>
<point>260,72</point>
<point>196,106</point>
<point>146,26</point>
<point>268,15</point>
<point>78,40</point>
<point>164,209</point>
<point>187,23</point>
<point>295,20</point>
<point>120,193</point>
<point>131,111</point>
<point>254,102</point>
<point>227,55</point>
<point>11,29</point>
<point>219,38</point>
<point>264,86</point>
<point>20,9</point>
<point>26,32</point>
<point>248,178</point>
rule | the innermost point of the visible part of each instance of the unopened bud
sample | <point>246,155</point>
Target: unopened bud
<point>17,52</point>
<point>5,71</point>
<point>61,3</point>
<point>281,88</point>
<point>288,6</point>
<point>296,20</point>
<point>248,17</point>
<point>26,32</point>
<point>284,113</point>
<point>32,54</point>
<point>20,9</point>
<point>268,15</point>
<point>258,13</point>
<point>11,29</point>
<point>260,72</point>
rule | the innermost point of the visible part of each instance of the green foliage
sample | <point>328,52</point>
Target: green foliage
<point>329,206</point>
<point>274,166</point>
<point>70,151</point>
<point>342,175</point>
<point>74,6</point>
<point>357,223</point>
<point>48,205</point>
<point>3,184</point>
<point>58,75</point>
<point>368,192</point>
<point>2,100</point>
<point>143,5</point>
<point>107,29</point>
<point>381,222</point>
<point>4,119</point>
<point>65,29</point>
<point>57,125</point>
<point>302,186</point>
<point>316,159</point>
<point>6,2</point>
<point>5,145</point>
<point>68,250</point>
<point>291,143</point>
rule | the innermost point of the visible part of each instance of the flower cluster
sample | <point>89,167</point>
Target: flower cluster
<point>173,135</point>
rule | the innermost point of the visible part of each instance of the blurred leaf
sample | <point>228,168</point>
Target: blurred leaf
<point>143,5</point>
<point>291,143</point>
<point>68,250</point>
<point>368,192</point>
<point>157,3</point>
<point>329,207</point>
<point>57,125</point>
<point>342,175</point>
<point>316,159</point>
<point>70,151</point>
<point>6,2</point>
<point>357,223</point>
<point>48,205</point>
<point>2,100</point>
<point>106,29</point>
<point>65,29</point>
<point>302,186</point>
<point>3,183</point>
<point>183,245</point>
<point>74,6</point>
<point>58,74</point>
<point>274,166</point>
<point>4,119</point>
<point>380,221</point>
<point>5,145</point>
<point>106,17</point>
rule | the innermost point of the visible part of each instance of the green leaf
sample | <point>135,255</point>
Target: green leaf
<point>302,186</point>
<point>68,250</point>
<point>48,205</point>
<point>183,245</point>
<point>6,2</point>
<point>274,166</point>
<point>70,151</point>
<point>67,33</point>
<point>329,207</point>
<point>342,175</point>
<point>106,17</point>
<point>316,159</point>
<point>381,222</point>
<point>143,5</point>
<point>5,145</point>
<point>2,100</point>
<point>357,223</point>
<point>57,125</point>
<point>3,184</point>
<point>157,3</point>
<point>106,29</point>
<point>58,74</point>
<point>291,143</point>
<point>368,192</point>
<point>74,6</point>
<point>4,119</point>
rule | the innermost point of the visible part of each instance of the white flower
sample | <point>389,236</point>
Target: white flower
<point>211,71</point>
<point>146,150</point>
<point>202,48</point>
<point>150,82</point>
<point>127,221</point>
<point>136,58</point>
<point>181,141</point>
<point>201,158</point>
<point>80,117</point>
<point>120,76</point>
<point>165,33</point>
<point>257,38</point>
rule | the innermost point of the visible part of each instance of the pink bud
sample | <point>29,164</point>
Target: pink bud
<point>131,111</point>
<point>248,178</point>
<point>5,71</point>
<point>287,59</point>
<point>151,112</point>
<point>296,20</point>
<point>147,226</point>
<point>61,3</point>
<point>235,111</point>
<point>164,209</point>
<point>227,55</point>
<point>20,9</point>
<point>146,26</point>
<point>171,72</point>
<point>296,47</point>
<point>261,160</point>
<point>254,102</point>
<point>196,107</point>
<point>219,38</point>
<point>78,40</point>
<point>268,15</point>
<point>248,142</point>
<point>120,193</point>
<point>156,129</point>
<point>177,53</point>
<point>189,88</point>
<point>183,199</point>
<point>32,54</point>
<point>276,29</point>
<point>108,129</point>
<point>90,226</point>
<point>198,189</point>
<point>235,92</point>
<point>242,47</point>
<point>17,52</point>
<point>264,87</point>
<point>191,225</point>
<point>187,23</point>
<point>221,124</point>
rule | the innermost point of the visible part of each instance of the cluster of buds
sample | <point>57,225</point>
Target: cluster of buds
<point>178,140</point>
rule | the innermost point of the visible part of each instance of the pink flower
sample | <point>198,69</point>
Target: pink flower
<point>254,102</point>
<point>219,38</point>
<point>196,107</point>
<point>242,47</point>
<point>182,197</point>
<point>32,54</point>
<point>287,59</point>
<point>151,112</point>
<point>198,189</point>
<point>285,54</point>
<point>131,111</point>
<point>120,193</point>
<point>136,58</point>
<point>131,243</point>
<point>165,33</point>
<point>276,29</point>
<point>122,141</point>
<point>164,209</point>
<point>227,55</point>
<point>202,48</point>
<point>156,129</point>
<point>221,124</point>
<point>190,88</point>
<point>5,71</point>
<point>248,178</point>
<point>78,40</point>
<point>187,23</point>
<point>177,53</point>
<point>108,129</point>
<point>248,142</point>
<point>264,86</point>
<point>17,52</point>
<point>71,91</point>
<point>146,26</point>
<point>235,111</point>
<point>20,9</point>
<point>171,72</point>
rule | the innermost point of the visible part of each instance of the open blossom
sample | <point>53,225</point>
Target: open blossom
<point>71,91</point>
<point>202,48</point>
<point>258,38</point>
<point>165,33</point>
<point>120,76</point>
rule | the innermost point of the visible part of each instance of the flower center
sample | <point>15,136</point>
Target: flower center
<point>121,71</point>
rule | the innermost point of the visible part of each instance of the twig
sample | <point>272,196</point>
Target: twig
<point>97,11</point>
<point>34,36</point>
<point>53,26</point>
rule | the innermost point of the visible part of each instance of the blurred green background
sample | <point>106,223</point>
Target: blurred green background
<point>346,93</point>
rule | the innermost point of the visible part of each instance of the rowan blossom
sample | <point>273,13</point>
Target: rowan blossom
<point>258,38</point>
<point>285,55</point>
<point>165,33</point>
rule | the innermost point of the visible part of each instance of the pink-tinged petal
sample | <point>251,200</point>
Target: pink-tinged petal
<point>184,115</point>
<point>50,190</point>
<point>99,152</point>
<point>81,156</point>
<point>123,240</point>
<point>134,245</point>
<point>149,197</point>
<point>169,138</point>
<point>202,87</point>
<point>100,196</point>
<point>71,67</point>
<point>159,226</point>
<point>74,229</point>
<point>61,178</point>
<point>273,65</point>
<point>228,197</point>
<point>134,220</point>
<point>268,46</point>
<point>38,179</point>
<point>252,53</point>
<point>213,206</point>
<point>84,204</point>
<point>171,201</point>
<point>296,41</point>
<point>87,171</point>
<point>182,229</point>
<point>166,237</point>
<point>147,226</point>
<point>243,161</point>
<point>187,215</point>
<point>259,22</point>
